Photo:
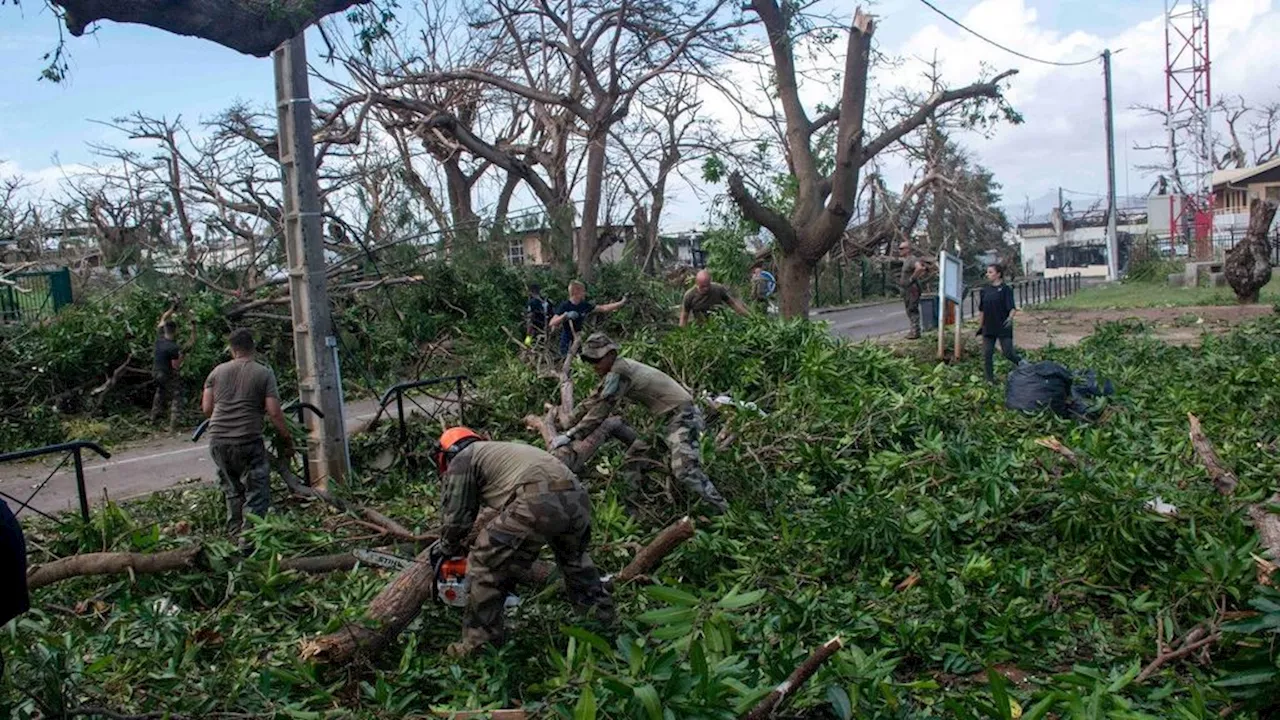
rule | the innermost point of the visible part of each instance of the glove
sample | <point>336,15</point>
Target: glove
<point>560,441</point>
<point>573,315</point>
<point>978,332</point>
<point>1008,322</point>
<point>528,340</point>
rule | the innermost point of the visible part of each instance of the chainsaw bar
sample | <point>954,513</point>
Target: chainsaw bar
<point>381,559</point>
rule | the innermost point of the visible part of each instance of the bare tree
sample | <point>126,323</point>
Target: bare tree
<point>590,59</point>
<point>825,201</point>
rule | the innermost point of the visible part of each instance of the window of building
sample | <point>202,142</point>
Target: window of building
<point>515,252</point>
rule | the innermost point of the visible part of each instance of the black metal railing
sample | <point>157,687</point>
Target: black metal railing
<point>73,451</point>
<point>399,391</point>
<point>1032,292</point>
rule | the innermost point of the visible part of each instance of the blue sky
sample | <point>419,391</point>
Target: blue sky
<point>122,69</point>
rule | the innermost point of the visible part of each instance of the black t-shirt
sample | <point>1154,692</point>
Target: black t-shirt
<point>996,302</point>
<point>535,313</point>
<point>166,352</point>
<point>583,309</point>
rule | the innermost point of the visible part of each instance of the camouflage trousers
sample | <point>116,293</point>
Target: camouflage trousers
<point>244,473</point>
<point>509,544</point>
<point>168,392</point>
<point>911,301</point>
<point>684,430</point>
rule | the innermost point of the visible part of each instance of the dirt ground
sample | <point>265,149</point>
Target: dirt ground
<point>1174,325</point>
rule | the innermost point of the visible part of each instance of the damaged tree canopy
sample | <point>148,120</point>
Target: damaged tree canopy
<point>252,27</point>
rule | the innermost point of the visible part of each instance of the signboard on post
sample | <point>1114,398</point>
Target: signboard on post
<point>950,287</point>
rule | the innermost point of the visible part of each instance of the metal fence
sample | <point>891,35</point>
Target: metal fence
<point>34,295</point>
<point>400,391</point>
<point>71,451</point>
<point>837,283</point>
<point>1031,292</point>
<point>1228,238</point>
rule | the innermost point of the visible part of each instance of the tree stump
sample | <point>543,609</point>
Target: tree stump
<point>1248,266</point>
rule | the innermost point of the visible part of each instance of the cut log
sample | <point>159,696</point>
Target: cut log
<point>652,554</point>
<point>1248,264</point>
<point>389,613</point>
<point>798,678</point>
<point>112,563</point>
<point>1223,479</point>
<point>320,563</point>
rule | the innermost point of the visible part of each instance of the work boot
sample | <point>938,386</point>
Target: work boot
<point>913,335</point>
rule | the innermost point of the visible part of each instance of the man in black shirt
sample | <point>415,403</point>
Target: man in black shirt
<point>996,308</point>
<point>168,361</point>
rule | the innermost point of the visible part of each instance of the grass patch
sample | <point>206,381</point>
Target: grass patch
<point>1153,294</point>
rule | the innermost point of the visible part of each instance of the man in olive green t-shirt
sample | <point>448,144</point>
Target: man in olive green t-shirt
<point>706,296</point>
<point>236,396</point>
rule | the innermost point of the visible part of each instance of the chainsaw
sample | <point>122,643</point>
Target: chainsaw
<point>451,584</point>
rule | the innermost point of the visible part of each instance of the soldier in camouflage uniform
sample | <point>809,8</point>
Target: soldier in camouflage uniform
<point>539,502</point>
<point>665,398</point>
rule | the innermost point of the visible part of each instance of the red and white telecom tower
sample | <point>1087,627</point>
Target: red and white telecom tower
<point>1189,103</point>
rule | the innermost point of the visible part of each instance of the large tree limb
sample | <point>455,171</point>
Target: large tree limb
<point>936,100</point>
<point>252,27</point>
<point>757,212</point>
<point>111,563</point>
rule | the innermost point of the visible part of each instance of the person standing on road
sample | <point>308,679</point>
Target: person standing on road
<point>911,282</point>
<point>996,308</point>
<point>572,314</point>
<point>165,372</point>
<point>706,296</point>
<point>236,396</point>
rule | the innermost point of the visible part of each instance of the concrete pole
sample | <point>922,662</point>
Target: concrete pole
<point>1113,246</point>
<point>304,250</point>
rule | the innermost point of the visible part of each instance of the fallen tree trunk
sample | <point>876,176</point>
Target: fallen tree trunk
<point>798,678</point>
<point>652,554</point>
<point>320,563</point>
<point>390,612</point>
<point>395,607</point>
<point>111,563</point>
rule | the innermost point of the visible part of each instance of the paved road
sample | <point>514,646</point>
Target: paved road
<point>155,464</point>
<point>867,321</point>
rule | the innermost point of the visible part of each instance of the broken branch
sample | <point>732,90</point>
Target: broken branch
<point>111,563</point>
<point>1223,479</point>
<point>653,553</point>
<point>798,678</point>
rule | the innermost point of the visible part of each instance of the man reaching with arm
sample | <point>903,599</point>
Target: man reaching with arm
<point>572,314</point>
<point>706,296</point>
<point>661,395</point>
<point>236,396</point>
<point>168,363</point>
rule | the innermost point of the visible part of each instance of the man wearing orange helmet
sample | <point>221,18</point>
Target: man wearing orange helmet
<point>539,502</point>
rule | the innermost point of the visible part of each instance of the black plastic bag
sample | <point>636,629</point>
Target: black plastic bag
<point>1085,391</point>
<point>1032,387</point>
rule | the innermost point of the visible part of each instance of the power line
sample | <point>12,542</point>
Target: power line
<point>988,40</point>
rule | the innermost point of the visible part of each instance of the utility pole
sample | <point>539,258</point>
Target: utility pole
<point>304,249</point>
<point>1113,247</point>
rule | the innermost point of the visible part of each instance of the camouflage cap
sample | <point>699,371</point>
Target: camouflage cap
<point>595,347</point>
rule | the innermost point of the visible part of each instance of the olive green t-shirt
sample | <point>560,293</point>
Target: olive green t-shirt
<point>240,391</point>
<point>699,304</point>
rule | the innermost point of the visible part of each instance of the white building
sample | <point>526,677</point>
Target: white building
<point>1075,243</point>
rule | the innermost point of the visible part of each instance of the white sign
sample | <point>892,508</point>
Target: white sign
<point>951,278</point>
